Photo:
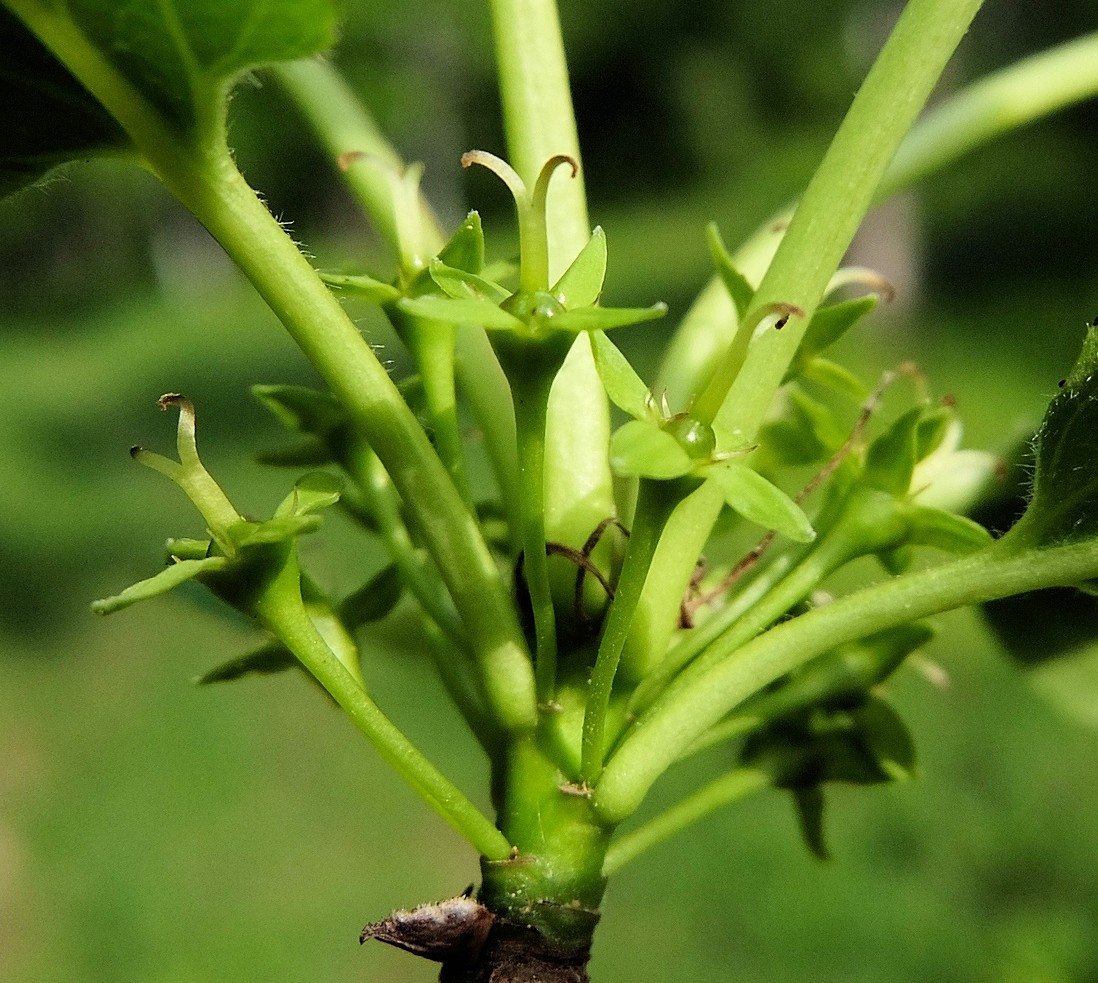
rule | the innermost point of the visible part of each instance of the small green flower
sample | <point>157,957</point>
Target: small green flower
<point>240,558</point>
<point>661,445</point>
<point>536,311</point>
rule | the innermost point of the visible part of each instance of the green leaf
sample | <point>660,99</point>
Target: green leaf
<point>188,549</point>
<point>471,311</point>
<point>835,377</point>
<point>302,409</point>
<point>461,285</point>
<point>375,291</point>
<point>749,494</point>
<point>581,284</point>
<point>734,281</point>
<point>827,326</point>
<point>168,578</point>
<point>806,433</point>
<point>182,57</point>
<point>890,460</point>
<point>465,250</point>
<point>374,599</point>
<point>314,491</point>
<point>809,801</point>
<point>945,530</point>
<point>1052,625</point>
<point>605,318</point>
<point>1064,507</point>
<point>932,430</point>
<point>308,453</point>
<point>642,449</point>
<point>249,535</point>
<point>625,388</point>
<point>49,117</point>
<point>886,738</point>
<point>265,660</point>
<point>867,744</point>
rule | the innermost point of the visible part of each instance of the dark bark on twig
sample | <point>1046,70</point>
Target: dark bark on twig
<point>476,946</point>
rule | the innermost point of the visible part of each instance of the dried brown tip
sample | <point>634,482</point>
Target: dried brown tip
<point>557,159</point>
<point>454,929</point>
<point>169,400</point>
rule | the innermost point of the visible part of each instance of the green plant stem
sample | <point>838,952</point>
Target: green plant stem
<point>538,116</point>
<point>282,612</point>
<point>540,124</point>
<point>373,171</point>
<point>722,791</point>
<point>229,209</point>
<point>1002,102</point>
<point>343,127</point>
<point>205,180</point>
<point>432,344</point>
<point>683,541</point>
<point>555,882</point>
<point>1010,98</point>
<point>843,188</point>
<point>489,396</point>
<point>656,501</point>
<point>416,570</point>
<point>837,198</point>
<point>683,716</point>
<point>530,404</point>
<point>741,625</point>
<point>691,643</point>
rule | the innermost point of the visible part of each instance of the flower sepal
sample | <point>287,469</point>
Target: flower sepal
<point>242,558</point>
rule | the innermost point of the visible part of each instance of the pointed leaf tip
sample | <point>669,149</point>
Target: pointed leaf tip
<point>625,388</point>
<point>168,578</point>
<point>581,284</point>
<point>749,494</point>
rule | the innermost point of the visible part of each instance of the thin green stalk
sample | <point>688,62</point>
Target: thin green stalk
<point>368,162</point>
<point>845,185</point>
<point>998,104</point>
<point>1010,98</point>
<point>281,610</point>
<point>530,405</point>
<point>684,715</point>
<point>540,124</point>
<point>375,173</point>
<point>741,621</point>
<point>728,788</point>
<point>416,570</point>
<point>838,196</point>
<point>489,396</point>
<point>432,344</point>
<point>203,177</point>
<point>655,502</point>
<point>538,116</point>
<point>329,339</point>
<point>691,643</point>
<point>683,541</point>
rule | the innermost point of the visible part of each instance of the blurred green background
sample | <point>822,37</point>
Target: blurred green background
<point>154,832</point>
